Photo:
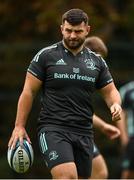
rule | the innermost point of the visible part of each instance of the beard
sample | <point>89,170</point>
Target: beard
<point>73,43</point>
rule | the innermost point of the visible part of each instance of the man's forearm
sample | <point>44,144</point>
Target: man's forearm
<point>98,122</point>
<point>113,98</point>
<point>111,95</point>
<point>122,125</point>
<point>24,108</point>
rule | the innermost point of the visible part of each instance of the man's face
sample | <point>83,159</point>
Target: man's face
<point>74,36</point>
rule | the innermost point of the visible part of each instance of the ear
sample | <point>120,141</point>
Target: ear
<point>61,27</point>
<point>88,29</point>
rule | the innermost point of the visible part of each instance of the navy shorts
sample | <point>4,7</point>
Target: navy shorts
<point>61,147</point>
<point>96,151</point>
<point>128,156</point>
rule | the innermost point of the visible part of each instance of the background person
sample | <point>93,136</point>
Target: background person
<point>99,167</point>
<point>68,79</point>
<point>127,130</point>
<point>96,45</point>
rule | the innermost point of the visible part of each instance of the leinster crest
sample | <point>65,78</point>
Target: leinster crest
<point>90,64</point>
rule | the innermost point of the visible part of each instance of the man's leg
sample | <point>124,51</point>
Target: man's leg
<point>64,171</point>
<point>99,168</point>
<point>58,154</point>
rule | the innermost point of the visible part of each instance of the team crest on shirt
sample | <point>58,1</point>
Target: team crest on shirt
<point>90,64</point>
<point>53,155</point>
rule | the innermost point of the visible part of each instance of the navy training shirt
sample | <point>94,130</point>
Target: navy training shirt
<point>68,84</point>
<point>127,95</point>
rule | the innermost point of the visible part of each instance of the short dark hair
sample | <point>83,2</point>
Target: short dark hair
<point>75,17</point>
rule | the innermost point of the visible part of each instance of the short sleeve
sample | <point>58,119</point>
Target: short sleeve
<point>105,76</point>
<point>37,66</point>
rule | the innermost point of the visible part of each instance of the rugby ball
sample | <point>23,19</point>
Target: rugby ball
<point>20,159</point>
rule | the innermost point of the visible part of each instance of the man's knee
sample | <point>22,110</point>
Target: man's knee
<point>65,171</point>
<point>99,168</point>
<point>103,174</point>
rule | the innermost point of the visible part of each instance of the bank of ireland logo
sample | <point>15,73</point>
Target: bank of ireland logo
<point>90,64</point>
<point>53,155</point>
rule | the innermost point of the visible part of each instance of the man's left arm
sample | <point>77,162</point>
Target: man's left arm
<point>113,100</point>
<point>109,130</point>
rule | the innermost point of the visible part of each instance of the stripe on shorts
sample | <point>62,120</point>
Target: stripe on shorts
<point>43,142</point>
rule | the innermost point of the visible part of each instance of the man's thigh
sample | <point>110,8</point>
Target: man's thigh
<point>55,148</point>
<point>61,148</point>
<point>83,154</point>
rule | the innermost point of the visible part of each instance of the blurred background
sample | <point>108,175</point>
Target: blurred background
<point>28,26</point>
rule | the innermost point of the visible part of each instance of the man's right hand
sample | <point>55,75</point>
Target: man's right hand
<point>19,133</point>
